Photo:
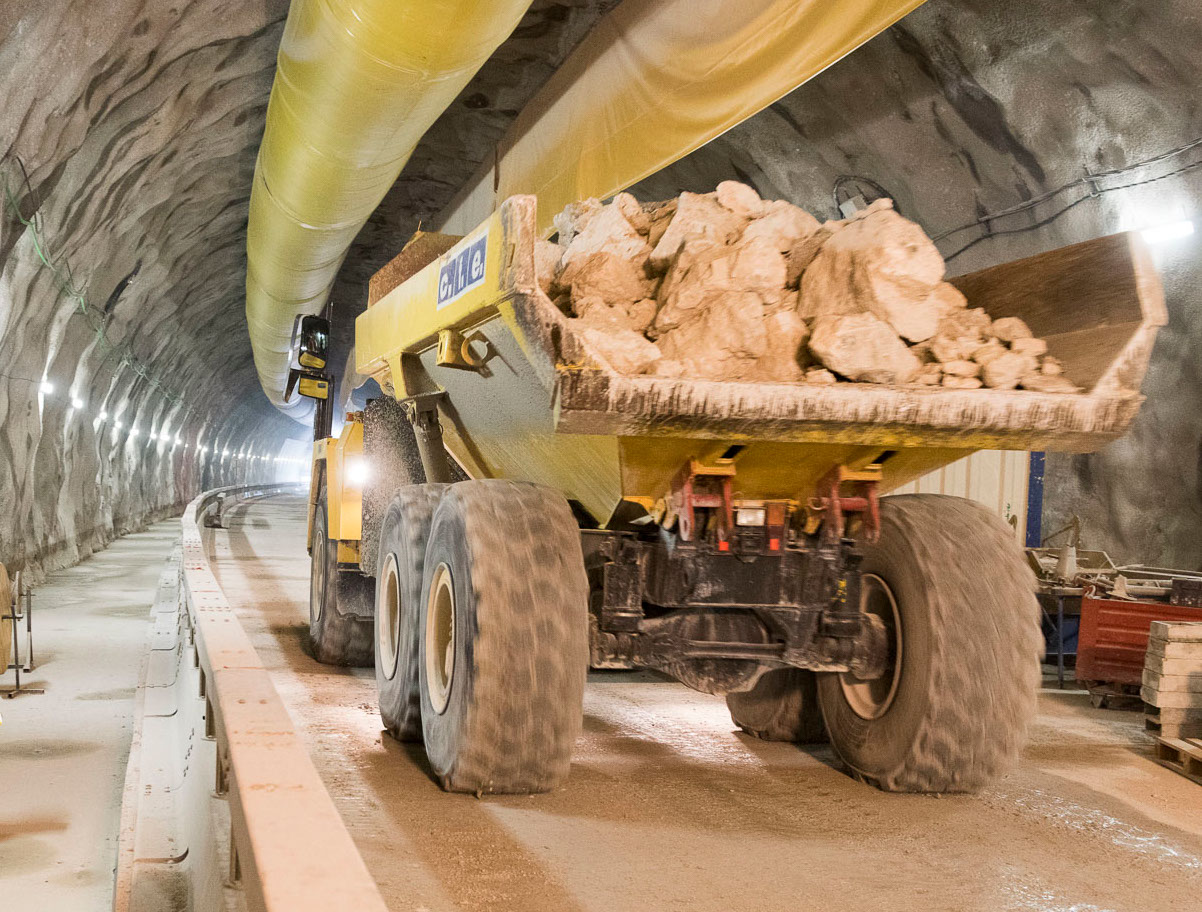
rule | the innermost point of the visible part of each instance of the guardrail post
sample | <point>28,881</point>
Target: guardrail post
<point>222,784</point>
<point>235,879</point>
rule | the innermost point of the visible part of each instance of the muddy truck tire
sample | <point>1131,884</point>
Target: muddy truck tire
<point>782,706</point>
<point>340,603</point>
<point>404,531</point>
<point>952,711</point>
<point>503,647</point>
<point>390,448</point>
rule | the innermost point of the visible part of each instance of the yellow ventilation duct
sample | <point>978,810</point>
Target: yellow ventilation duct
<point>358,82</point>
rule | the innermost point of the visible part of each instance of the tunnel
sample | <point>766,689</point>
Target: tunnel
<point>312,362</point>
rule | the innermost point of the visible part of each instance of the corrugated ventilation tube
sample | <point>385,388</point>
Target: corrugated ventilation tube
<point>358,82</point>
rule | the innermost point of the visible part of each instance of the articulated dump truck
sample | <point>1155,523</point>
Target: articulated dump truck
<point>512,512</point>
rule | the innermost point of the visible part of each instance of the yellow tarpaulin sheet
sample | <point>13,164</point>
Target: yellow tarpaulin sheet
<point>655,80</point>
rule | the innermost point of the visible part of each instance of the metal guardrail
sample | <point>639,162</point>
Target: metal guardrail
<point>289,849</point>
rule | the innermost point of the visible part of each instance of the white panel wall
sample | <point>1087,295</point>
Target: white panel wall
<point>995,478</point>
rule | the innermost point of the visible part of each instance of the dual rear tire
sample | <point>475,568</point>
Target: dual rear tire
<point>481,631</point>
<point>952,711</point>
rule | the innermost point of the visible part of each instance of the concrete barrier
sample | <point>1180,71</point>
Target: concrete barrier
<point>223,806</point>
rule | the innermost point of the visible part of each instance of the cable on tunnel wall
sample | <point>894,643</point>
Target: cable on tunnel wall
<point>13,172</point>
<point>64,281</point>
<point>1092,182</point>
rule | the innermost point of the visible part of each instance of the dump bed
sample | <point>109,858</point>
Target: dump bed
<point>526,397</point>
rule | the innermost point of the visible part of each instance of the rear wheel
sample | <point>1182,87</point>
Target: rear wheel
<point>503,647</point>
<point>782,706</point>
<point>958,601</point>
<point>404,531</point>
<point>340,603</point>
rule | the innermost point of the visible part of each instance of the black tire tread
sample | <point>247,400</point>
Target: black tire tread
<point>344,637</point>
<point>530,653</point>
<point>984,677</point>
<point>412,508</point>
<point>782,706</point>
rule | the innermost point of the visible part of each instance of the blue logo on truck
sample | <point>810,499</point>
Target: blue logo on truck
<point>463,271</point>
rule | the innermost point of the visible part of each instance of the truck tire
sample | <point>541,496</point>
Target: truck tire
<point>404,531</point>
<point>504,638</point>
<point>340,603</point>
<point>958,600</point>
<point>782,706</point>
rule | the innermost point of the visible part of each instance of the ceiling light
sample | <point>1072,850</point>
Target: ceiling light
<point>47,387</point>
<point>76,402</point>
<point>102,416</point>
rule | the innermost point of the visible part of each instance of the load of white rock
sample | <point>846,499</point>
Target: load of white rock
<point>728,286</point>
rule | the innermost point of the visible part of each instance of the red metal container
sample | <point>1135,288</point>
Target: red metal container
<point>1114,636</point>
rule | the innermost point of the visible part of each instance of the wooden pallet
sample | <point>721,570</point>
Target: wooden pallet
<point>1182,756</point>
<point>1180,724</point>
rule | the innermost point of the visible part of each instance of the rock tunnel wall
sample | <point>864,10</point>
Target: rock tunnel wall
<point>127,144</point>
<point>972,107</point>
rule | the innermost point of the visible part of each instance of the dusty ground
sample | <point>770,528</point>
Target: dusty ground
<point>668,808</point>
<point>63,753</point>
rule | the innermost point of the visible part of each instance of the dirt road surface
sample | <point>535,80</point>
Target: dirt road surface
<point>669,808</point>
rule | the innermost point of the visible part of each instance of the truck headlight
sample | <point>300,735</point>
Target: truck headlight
<point>358,471</point>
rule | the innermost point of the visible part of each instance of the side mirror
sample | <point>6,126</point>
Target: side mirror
<point>314,343</point>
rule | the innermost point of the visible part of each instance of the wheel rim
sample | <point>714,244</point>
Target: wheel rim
<point>871,699</point>
<point>388,614</point>
<point>440,638</point>
<point>317,577</point>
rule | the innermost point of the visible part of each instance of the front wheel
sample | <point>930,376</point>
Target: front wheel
<point>340,603</point>
<point>958,601</point>
<point>782,706</point>
<point>503,638</point>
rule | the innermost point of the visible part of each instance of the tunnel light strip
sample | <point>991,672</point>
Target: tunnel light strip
<point>1172,231</point>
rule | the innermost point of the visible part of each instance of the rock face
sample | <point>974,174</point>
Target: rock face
<point>126,151</point>
<point>138,125</point>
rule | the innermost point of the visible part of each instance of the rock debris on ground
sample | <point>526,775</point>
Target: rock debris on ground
<point>729,286</point>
